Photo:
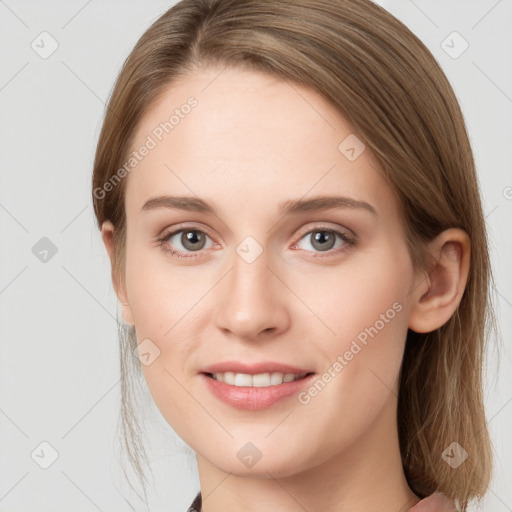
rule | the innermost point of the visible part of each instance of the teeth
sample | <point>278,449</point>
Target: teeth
<point>260,380</point>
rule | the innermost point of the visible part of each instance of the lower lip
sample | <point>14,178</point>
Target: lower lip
<point>253,398</point>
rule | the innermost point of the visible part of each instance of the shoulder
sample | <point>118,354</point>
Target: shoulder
<point>436,502</point>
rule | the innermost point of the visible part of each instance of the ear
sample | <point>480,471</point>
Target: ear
<point>436,296</point>
<point>107,235</point>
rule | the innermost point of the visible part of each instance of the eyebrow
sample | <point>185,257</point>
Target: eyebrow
<point>196,204</point>
<point>324,203</point>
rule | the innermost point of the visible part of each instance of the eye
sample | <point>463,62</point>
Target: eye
<point>185,240</point>
<point>324,240</point>
<point>183,243</point>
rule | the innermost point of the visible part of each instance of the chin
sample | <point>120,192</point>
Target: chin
<point>248,461</point>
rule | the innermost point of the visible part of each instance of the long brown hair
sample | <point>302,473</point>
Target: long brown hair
<point>390,88</point>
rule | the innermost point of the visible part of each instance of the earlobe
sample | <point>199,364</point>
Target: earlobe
<point>107,235</point>
<point>127,313</point>
<point>436,296</point>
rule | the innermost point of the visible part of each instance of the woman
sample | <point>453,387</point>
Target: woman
<point>240,137</point>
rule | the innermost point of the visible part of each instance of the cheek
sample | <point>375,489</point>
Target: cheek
<point>162,303</point>
<point>162,294</point>
<point>165,302</point>
<point>363,309</point>
<point>367,311</point>
<point>370,290</point>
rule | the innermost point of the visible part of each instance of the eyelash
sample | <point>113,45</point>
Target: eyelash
<point>349,242</point>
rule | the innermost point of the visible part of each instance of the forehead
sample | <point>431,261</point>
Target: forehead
<point>229,133</point>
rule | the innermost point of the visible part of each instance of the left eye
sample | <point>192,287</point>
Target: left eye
<point>322,240</point>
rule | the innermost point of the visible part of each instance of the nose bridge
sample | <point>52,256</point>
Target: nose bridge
<point>250,261</point>
<point>249,275</point>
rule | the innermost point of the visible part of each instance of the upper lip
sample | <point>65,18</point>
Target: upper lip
<point>254,368</point>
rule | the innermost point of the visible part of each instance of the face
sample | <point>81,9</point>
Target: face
<point>255,277</point>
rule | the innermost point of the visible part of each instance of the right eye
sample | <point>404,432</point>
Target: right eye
<point>191,240</point>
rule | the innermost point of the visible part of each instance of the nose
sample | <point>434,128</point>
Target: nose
<point>250,302</point>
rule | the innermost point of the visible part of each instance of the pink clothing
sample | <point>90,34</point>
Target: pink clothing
<point>436,502</point>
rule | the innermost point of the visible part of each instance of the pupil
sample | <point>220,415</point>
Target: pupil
<point>191,239</point>
<point>321,237</point>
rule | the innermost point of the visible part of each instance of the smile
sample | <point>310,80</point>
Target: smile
<point>260,380</point>
<point>255,392</point>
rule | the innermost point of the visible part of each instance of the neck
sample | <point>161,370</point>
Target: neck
<point>367,475</point>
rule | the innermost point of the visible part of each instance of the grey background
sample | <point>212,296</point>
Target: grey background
<point>59,371</point>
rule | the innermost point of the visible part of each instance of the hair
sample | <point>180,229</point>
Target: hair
<point>392,91</point>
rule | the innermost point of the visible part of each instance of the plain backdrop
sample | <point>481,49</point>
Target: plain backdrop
<point>59,370</point>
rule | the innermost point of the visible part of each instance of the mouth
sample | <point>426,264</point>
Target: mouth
<point>259,380</point>
<point>256,391</point>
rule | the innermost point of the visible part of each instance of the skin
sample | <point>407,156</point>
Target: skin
<point>252,143</point>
